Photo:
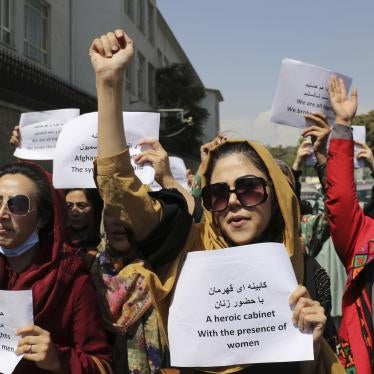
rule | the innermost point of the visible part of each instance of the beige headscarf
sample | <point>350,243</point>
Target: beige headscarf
<point>207,235</point>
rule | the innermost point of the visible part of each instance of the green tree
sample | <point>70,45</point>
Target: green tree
<point>287,155</point>
<point>177,87</point>
<point>366,120</point>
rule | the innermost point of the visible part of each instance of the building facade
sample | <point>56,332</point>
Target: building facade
<point>44,61</point>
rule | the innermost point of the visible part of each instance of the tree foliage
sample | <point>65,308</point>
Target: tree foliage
<point>177,87</point>
<point>366,120</point>
<point>288,155</point>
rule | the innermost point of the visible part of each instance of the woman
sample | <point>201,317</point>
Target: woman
<point>352,233</point>
<point>270,214</point>
<point>138,341</point>
<point>67,334</point>
<point>84,216</point>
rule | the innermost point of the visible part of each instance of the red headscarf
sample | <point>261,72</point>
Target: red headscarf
<point>52,270</point>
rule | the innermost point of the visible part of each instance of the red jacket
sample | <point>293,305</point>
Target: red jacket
<point>353,236</point>
<point>76,330</point>
<point>64,298</point>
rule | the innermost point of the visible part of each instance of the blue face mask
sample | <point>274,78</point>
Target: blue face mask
<point>22,248</point>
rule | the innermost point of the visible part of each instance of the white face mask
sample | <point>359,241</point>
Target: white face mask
<point>22,248</point>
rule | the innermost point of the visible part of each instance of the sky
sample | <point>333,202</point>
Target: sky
<point>237,46</point>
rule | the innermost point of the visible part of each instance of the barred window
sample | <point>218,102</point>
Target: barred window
<point>141,75</point>
<point>129,8</point>
<point>36,30</point>
<point>151,23</point>
<point>5,21</point>
<point>141,16</point>
<point>151,84</point>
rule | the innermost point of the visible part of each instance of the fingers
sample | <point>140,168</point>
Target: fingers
<point>106,45</point>
<point>147,156</point>
<point>35,345</point>
<point>306,144</point>
<point>113,41</point>
<point>300,291</point>
<point>354,96</point>
<point>342,89</point>
<point>30,329</point>
<point>363,154</point>
<point>361,144</point>
<point>333,87</point>
<point>316,131</point>
<point>322,116</point>
<point>205,148</point>
<point>110,43</point>
<point>155,144</point>
<point>317,119</point>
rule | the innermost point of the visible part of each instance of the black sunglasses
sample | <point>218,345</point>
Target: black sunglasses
<point>18,205</point>
<point>250,191</point>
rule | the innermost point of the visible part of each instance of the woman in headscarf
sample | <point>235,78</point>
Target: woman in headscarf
<point>247,200</point>
<point>352,233</point>
<point>67,334</point>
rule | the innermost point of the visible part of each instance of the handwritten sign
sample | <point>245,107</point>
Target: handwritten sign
<point>302,89</point>
<point>231,307</point>
<point>15,311</point>
<point>76,148</point>
<point>39,132</point>
<point>359,134</point>
<point>179,172</point>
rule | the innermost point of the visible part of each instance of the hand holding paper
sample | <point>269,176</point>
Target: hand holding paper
<point>302,89</point>
<point>366,154</point>
<point>156,155</point>
<point>15,311</point>
<point>232,307</point>
<point>304,151</point>
<point>319,132</point>
<point>36,345</point>
<point>15,137</point>
<point>308,315</point>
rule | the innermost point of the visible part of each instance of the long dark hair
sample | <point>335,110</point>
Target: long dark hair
<point>94,198</point>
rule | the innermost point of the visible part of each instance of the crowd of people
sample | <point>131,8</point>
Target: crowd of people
<point>103,263</point>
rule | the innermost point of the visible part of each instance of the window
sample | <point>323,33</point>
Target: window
<point>159,58</point>
<point>151,84</point>
<point>5,20</point>
<point>151,23</point>
<point>166,62</point>
<point>141,16</point>
<point>129,8</point>
<point>141,75</point>
<point>130,77</point>
<point>36,30</point>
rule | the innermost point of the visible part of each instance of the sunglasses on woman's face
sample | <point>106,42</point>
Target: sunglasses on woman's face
<point>250,191</point>
<point>18,205</point>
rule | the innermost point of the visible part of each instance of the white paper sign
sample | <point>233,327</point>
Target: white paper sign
<point>15,312</point>
<point>359,134</point>
<point>178,171</point>
<point>302,89</point>
<point>230,307</point>
<point>39,132</point>
<point>76,148</point>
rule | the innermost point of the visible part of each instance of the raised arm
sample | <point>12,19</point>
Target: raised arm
<point>125,197</point>
<point>346,218</point>
<point>110,54</point>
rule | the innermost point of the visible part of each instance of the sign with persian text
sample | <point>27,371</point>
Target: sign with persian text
<point>230,307</point>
